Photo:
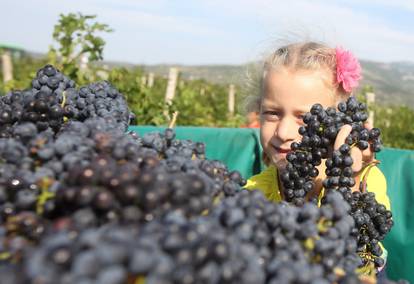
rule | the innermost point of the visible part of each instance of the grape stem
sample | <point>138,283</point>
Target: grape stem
<point>173,120</point>
<point>363,183</point>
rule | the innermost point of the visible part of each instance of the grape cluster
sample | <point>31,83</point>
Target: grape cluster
<point>84,201</point>
<point>42,105</point>
<point>99,99</point>
<point>94,164</point>
<point>321,127</point>
<point>318,136</point>
<point>294,244</point>
<point>174,250</point>
<point>53,99</point>
<point>373,221</point>
<point>254,241</point>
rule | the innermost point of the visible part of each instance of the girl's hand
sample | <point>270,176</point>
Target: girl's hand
<point>360,157</point>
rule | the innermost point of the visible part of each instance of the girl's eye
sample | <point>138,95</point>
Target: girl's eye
<point>301,116</point>
<point>272,114</point>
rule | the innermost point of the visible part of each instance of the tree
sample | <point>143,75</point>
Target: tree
<point>394,121</point>
<point>75,36</point>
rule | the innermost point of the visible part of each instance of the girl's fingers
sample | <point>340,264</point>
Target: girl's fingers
<point>357,157</point>
<point>367,154</point>
<point>355,153</point>
<point>368,125</point>
<point>342,134</point>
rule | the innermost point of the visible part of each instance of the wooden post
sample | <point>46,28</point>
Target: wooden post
<point>172,83</point>
<point>143,81</point>
<point>370,101</point>
<point>83,64</point>
<point>102,74</point>
<point>387,120</point>
<point>7,66</point>
<point>150,82</point>
<point>232,94</point>
<point>370,98</point>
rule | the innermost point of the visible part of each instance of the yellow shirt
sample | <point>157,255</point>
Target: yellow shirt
<point>266,182</point>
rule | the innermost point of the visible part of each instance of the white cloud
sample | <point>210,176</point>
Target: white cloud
<point>133,13</point>
<point>400,4</point>
<point>369,36</point>
<point>235,31</point>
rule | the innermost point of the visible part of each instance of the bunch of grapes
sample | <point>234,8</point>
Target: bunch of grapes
<point>84,201</point>
<point>99,99</point>
<point>54,99</point>
<point>294,244</point>
<point>95,165</point>
<point>318,137</point>
<point>254,241</point>
<point>321,127</point>
<point>173,250</point>
<point>42,105</point>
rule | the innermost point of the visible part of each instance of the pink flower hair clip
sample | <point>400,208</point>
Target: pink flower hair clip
<point>348,69</point>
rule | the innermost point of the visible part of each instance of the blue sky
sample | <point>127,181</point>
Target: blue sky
<point>219,31</point>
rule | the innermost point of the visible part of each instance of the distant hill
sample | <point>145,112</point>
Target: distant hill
<point>393,82</point>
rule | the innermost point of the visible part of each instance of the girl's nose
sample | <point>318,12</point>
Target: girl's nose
<point>287,129</point>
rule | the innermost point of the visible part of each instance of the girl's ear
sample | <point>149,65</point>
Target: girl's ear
<point>341,97</point>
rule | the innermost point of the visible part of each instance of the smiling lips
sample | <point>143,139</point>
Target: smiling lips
<point>282,150</point>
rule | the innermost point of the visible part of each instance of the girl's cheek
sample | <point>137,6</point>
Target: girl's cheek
<point>268,128</point>
<point>266,135</point>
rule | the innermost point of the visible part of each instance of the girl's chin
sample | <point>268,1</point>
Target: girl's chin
<point>280,164</point>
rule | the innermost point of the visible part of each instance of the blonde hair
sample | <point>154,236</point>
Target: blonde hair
<point>308,55</point>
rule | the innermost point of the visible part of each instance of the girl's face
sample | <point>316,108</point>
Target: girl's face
<point>288,95</point>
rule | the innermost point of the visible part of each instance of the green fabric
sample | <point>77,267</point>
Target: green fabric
<point>398,168</point>
<point>240,150</point>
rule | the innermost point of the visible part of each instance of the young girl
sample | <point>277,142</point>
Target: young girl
<point>294,78</point>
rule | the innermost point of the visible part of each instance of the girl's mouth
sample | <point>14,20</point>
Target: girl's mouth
<point>282,150</point>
